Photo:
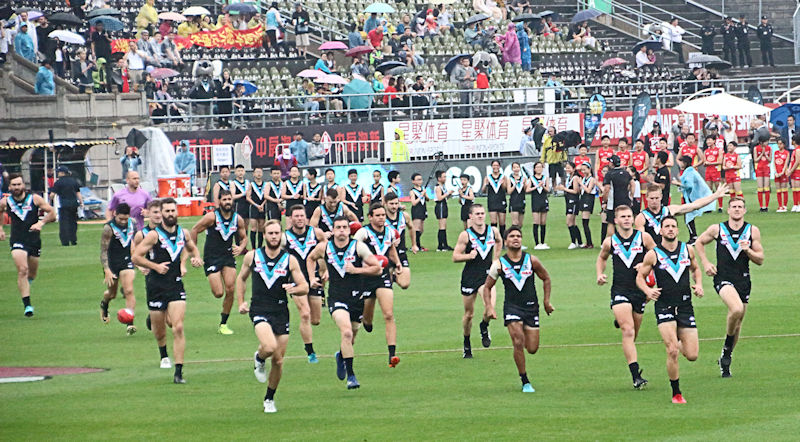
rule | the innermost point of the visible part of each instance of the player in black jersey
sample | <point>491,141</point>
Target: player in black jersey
<point>300,239</point>
<point>273,192</point>
<point>328,211</point>
<point>572,190</point>
<point>239,193</point>
<point>649,219</point>
<point>226,238</point>
<point>539,187</point>
<point>517,187</point>
<point>627,248</point>
<point>330,184</point>
<point>376,191</point>
<point>164,251</point>
<point>380,238</point>
<point>400,222</point>
<point>588,186</point>
<point>738,243</point>
<point>291,192</point>
<point>257,194</point>
<point>520,303</point>
<point>222,184</point>
<point>440,196</point>
<point>312,194</point>
<point>466,196</point>
<point>278,274</point>
<point>394,183</point>
<point>355,195</point>
<point>115,255</point>
<point>153,213</point>
<point>477,247</point>
<point>419,208</point>
<point>25,240</point>
<point>342,263</point>
<point>494,186</point>
<point>671,262</point>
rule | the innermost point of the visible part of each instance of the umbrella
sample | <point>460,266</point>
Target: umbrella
<point>400,70</point>
<point>330,79</point>
<point>453,61</point>
<point>67,37</point>
<point>358,87</point>
<point>196,10</point>
<point>241,8</point>
<point>379,8</point>
<point>720,65</point>
<point>34,14</point>
<point>446,2</point>
<point>386,65</point>
<point>136,138</point>
<point>332,46</point>
<point>103,11</point>
<point>527,17</point>
<point>481,56</point>
<point>651,44</point>
<point>616,61</point>
<point>586,14</point>
<point>117,56</point>
<point>476,19</point>
<point>310,73</point>
<point>358,50</point>
<point>778,115</point>
<point>160,73</point>
<point>555,15</point>
<point>65,18</point>
<point>249,88</point>
<point>171,16</point>
<point>721,103</point>
<point>702,59</point>
<point>110,23</point>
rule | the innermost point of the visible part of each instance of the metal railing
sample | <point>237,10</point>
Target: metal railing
<point>290,110</point>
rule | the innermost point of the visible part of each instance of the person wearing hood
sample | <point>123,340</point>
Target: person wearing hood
<point>511,53</point>
<point>524,47</point>
<point>100,76</point>
<point>185,162</point>
<point>23,44</point>
<point>45,85</point>
<point>399,147</point>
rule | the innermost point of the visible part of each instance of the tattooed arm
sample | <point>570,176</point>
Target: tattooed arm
<point>105,241</point>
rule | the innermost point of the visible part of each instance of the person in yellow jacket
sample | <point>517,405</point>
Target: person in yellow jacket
<point>553,156</point>
<point>148,17</point>
<point>399,147</point>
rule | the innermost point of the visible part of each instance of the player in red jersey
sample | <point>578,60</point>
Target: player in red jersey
<point>602,155</point>
<point>582,158</point>
<point>639,159</point>
<point>713,156</point>
<point>794,173</point>
<point>663,145</point>
<point>762,156</point>
<point>731,164</point>
<point>688,147</point>
<point>781,161</point>
<point>623,152</point>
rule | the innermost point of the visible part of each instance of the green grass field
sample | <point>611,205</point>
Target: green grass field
<point>583,388</point>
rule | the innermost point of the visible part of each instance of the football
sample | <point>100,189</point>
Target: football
<point>651,280</point>
<point>125,316</point>
<point>383,260</point>
<point>354,226</point>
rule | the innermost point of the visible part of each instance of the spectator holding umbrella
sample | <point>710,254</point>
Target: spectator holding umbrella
<point>130,161</point>
<point>23,44</point>
<point>322,63</point>
<point>185,162</point>
<point>101,48</point>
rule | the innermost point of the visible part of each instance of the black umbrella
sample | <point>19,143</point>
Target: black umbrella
<point>386,65</point>
<point>136,138</point>
<point>65,18</point>
<point>453,62</point>
<point>103,11</point>
<point>566,139</point>
<point>117,56</point>
<point>586,14</point>
<point>651,44</point>
<point>476,18</point>
<point>6,12</point>
<point>719,65</point>
<point>527,17</point>
<point>554,15</point>
<point>400,70</point>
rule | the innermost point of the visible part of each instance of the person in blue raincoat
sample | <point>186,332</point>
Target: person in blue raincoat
<point>524,47</point>
<point>185,161</point>
<point>693,187</point>
<point>44,80</point>
<point>23,44</point>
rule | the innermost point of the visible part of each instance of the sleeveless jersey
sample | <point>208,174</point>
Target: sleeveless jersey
<point>270,274</point>
<point>443,189</point>
<point>23,215</point>
<point>652,224</point>
<point>732,263</point>
<point>240,188</point>
<point>312,192</point>
<point>689,150</point>
<point>294,188</point>
<point>518,191</point>
<point>624,157</point>
<point>712,156</point>
<point>393,189</point>
<point>300,245</point>
<point>760,150</point>
<point>326,218</point>
<point>639,160</point>
<point>781,157</point>
<point>326,187</point>
<point>354,195</point>
<point>379,243</point>
<point>257,192</point>
<point>119,249</point>
<point>518,281</point>
<point>421,196</point>
<point>720,143</point>
<point>168,249</point>
<point>585,182</point>
<point>672,275</point>
<point>341,284</point>
<point>626,254</point>
<point>376,194</point>
<point>266,188</point>
<point>603,156</point>
<point>484,243</point>
<point>729,160</point>
<point>224,185</point>
<point>463,201</point>
<point>496,192</point>
<point>399,224</point>
<point>219,237</point>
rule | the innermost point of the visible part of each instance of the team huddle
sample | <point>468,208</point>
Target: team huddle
<point>308,238</point>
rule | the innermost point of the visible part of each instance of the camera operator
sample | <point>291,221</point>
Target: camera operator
<point>131,162</point>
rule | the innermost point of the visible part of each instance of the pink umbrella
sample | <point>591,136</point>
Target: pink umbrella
<point>310,73</point>
<point>163,73</point>
<point>332,46</point>
<point>616,61</point>
<point>172,16</point>
<point>330,79</point>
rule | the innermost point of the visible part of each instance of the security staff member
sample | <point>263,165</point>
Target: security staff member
<point>69,199</point>
<point>743,42</point>
<point>728,31</point>
<point>707,33</point>
<point>764,32</point>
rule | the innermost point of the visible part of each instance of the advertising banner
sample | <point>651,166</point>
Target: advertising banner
<point>640,111</point>
<point>595,108</point>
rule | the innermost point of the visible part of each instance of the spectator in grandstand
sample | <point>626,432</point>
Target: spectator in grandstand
<point>674,40</point>
<point>299,149</point>
<point>376,37</point>
<point>510,45</point>
<point>553,28</point>
<point>707,33</point>
<point>716,126</point>
<point>354,37</point>
<point>190,26</point>
<point>578,30</point>
<point>148,16</point>
<point>431,27</point>
<point>473,35</point>
<point>377,83</point>
<point>135,65</point>
<point>185,161</point>
<point>481,83</point>
<point>30,29</point>
<point>44,79</point>
<point>490,8</point>
<point>203,89</point>
<point>241,106</point>
<point>5,41</point>
<point>399,146</point>
<point>146,50</point>
<point>322,63</point>
<point>443,15</point>
<point>273,25</point>
<point>165,51</point>
<point>464,76</point>
<point>316,151</point>
<point>641,57</point>
<point>285,161</point>
<point>224,92</point>
<point>359,68</point>
<point>101,47</point>
<point>82,71</point>
<point>302,28</point>
<point>331,62</point>
<point>330,98</point>
<point>308,101</point>
<point>47,45</point>
<point>651,56</point>
<point>150,86</point>
<point>371,23</point>
<point>61,59</point>
<point>524,47</point>
<point>130,161</point>
<point>100,77</point>
<point>23,44</point>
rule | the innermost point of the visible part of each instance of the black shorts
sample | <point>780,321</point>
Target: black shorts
<point>741,285</point>
<point>33,246</point>
<point>586,204</point>
<point>528,315</point>
<point>257,214</point>
<point>540,204</point>
<point>403,258</point>
<point>465,212</point>
<point>277,320</point>
<point>471,283</point>
<point>117,266</point>
<point>636,206</point>
<point>637,300</point>
<point>359,212</point>
<point>441,210</point>
<point>516,203</point>
<point>243,208</point>
<point>419,212</point>
<point>683,314</point>
<point>311,206</point>
<point>354,306</point>
<point>571,204</point>
<point>497,204</point>
<point>556,169</point>
<point>158,300</point>
<point>273,212</point>
<point>371,284</point>
<point>214,264</point>
<point>609,216</point>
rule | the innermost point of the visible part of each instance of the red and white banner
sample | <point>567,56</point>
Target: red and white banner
<point>471,135</point>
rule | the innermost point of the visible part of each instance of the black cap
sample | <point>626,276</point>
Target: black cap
<point>615,161</point>
<point>763,17</point>
<point>741,15</point>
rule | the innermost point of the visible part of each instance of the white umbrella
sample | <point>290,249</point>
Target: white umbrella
<point>195,10</point>
<point>330,79</point>
<point>721,103</point>
<point>67,37</point>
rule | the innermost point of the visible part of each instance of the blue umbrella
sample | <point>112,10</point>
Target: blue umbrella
<point>242,8</point>
<point>358,87</point>
<point>651,44</point>
<point>779,115</point>
<point>586,14</point>
<point>379,8</point>
<point>453,62</point>
<point>110,23</point>
<point>249,88</point>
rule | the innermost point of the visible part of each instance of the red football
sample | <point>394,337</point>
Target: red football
<point>383,260</point>
<point>650,280</point>
<point>354,226</point>
<point>125,316</point>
